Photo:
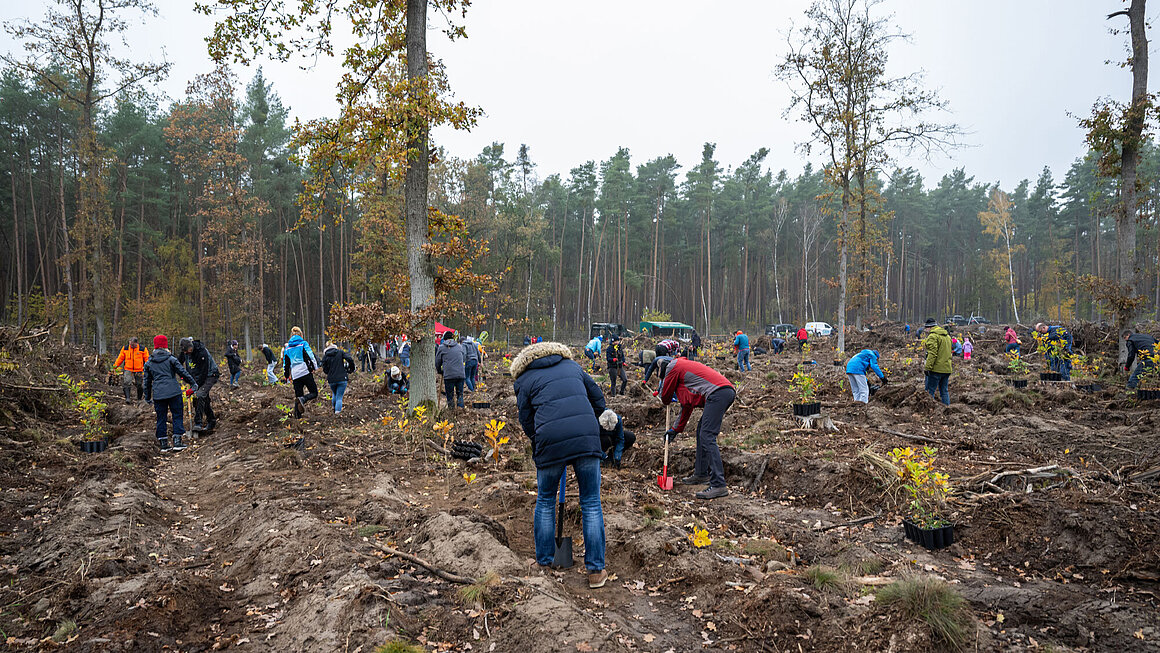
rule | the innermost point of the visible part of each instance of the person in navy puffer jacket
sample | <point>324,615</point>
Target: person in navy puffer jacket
<point>856,369</point>
<point>558,407</point>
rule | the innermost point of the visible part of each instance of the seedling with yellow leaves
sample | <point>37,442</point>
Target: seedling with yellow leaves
<point>928,489</point>
<point>492,433</point>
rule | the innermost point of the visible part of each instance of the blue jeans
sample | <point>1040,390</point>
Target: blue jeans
<point>406,359</point>
<point>1062,365</point>
<point>471,367</point>
<point>743,360</point>
<point>337,390</point>
<point>234,377</point>
<point>938,386</point>
<point>1141,365</point>
<point>587,472</point>
<point>163,408</point>
<point>270,377</point>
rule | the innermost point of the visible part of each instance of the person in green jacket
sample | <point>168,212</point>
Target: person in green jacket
<point>938,361</point>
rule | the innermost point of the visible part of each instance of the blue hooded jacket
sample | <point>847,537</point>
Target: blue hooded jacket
<point>867,359</point>
<point>297,358</point>
<point>741,341</point>
<point>558,404</point>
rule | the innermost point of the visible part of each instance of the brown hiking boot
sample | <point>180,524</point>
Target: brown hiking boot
<point>597,579</point>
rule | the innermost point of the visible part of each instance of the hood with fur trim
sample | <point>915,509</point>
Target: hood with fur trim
<point>537,351</point>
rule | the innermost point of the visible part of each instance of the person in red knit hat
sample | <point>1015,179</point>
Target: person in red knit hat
<point>163,389</point>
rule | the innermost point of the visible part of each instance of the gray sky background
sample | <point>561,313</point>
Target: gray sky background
<point>576,80</point>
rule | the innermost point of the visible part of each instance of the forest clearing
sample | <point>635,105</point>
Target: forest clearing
<point>243,542</point>
<point>883,307</point>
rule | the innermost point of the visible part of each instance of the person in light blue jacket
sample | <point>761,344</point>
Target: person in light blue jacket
<point>592,351</point>
<point>741,346</point>
<point>856,369</point>
<point>298,364</point>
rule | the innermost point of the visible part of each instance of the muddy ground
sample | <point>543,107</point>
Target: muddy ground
<point>241,542</point>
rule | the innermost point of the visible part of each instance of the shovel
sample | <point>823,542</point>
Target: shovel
<point>664,481</point>
<point>562,559</point>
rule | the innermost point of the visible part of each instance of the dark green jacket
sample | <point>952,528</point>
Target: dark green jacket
<point>938,351</point>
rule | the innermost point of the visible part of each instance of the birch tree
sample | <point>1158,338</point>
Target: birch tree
<point>998,223</point>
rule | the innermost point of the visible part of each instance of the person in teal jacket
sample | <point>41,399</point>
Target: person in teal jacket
<point>741,346</point>
<point>856,370</point>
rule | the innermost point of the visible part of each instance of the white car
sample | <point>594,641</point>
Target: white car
<point>819,328</point>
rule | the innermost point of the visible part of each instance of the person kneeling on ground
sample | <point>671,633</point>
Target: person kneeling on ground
<point>298,364</point>
<point>938,361</point>
<point>1141,348</point>
<point>397,381</point>
<point>614,438</point>
<point>558,404</point>
<point>162,388</point>
<point>337,364</point>
<point>697,385</point>
<point>856,369</point>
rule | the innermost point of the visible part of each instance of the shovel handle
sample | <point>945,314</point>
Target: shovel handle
<point>666,437</point>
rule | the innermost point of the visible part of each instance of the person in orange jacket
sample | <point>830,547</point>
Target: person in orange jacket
<point>132,359</point>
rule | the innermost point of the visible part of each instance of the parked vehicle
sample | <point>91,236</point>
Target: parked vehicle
<point>977,319</point>
<point>819,328</point>
<point>606,329</point>
<point>783,330</point>
<point>957,320</point>
<point>678,330</point>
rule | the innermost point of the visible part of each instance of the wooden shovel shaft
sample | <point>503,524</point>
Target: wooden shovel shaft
<point>666,467</point>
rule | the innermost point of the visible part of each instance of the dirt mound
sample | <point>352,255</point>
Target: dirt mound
<point>465,546</point>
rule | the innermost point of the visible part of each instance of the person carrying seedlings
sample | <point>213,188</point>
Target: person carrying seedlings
<point>451,362</point>
<point>696,385</point>
<point>205,372</point>
<point>162,387</point>
<point>1141,348</point>
<point>694,346</point>
<point>397,383</point>
<point>471,367</point>
<point>856,369</point>
<point>592,351</point>
<point>1011,339</point>
<point>338,365</point>
<point>132,360</point>
<point>614,438</point>
<point>298,365</point>
<point>271,361</point>
<point>741,346</point>
<point>1058,339</point>
<point>938,361</point>
<point>234,361</point>
<point>614,356</point>
<point>558,404</point>
<point>803,337</point>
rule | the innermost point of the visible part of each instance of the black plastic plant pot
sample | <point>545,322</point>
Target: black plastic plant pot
<point>1017,383</point>
<point>1089,387</point>
<point>837,362</point>
<point>1050,376</point>
<point>94,446</point>
<point>1147,395</point>
<point>481,404</point>
<point>930,539</point>
<point>805,410</point>
<point>506,373</point>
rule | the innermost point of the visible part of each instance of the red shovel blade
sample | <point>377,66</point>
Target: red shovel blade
<point>664,481</point>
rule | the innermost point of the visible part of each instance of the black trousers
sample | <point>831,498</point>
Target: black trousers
<point>615,371</point>
<point>306,383</point>
<point>202,410</point>
<point>708,457</point>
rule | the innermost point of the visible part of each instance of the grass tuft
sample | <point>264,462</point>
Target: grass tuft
<point>399,646</point>
<point>827,579</point>
<point>480,593</point>
<point>369,530</point>
<point>1008,397</point>
<point>656,512</point>
<point>64,630</point>
<point>934,602</point>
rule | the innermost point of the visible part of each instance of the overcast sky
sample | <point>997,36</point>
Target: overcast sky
<point>576,80</point>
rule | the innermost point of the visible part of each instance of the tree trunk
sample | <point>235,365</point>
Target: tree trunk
<point>67,263</point>
<point>120,258</point>
<point>1129,159</point>
<point>415,204</point>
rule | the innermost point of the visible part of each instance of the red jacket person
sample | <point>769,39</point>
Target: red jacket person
<point>697,385</point>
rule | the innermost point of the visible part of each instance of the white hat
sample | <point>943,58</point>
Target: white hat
<point>395,373</point>
<point>607,420</point>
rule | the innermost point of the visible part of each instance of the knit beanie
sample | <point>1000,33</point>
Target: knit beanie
<point>160,342</point>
